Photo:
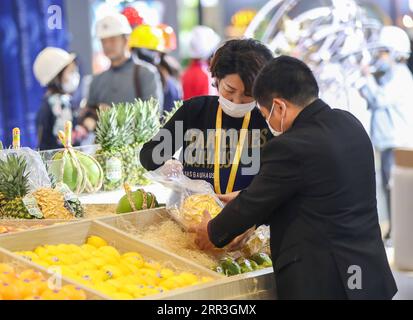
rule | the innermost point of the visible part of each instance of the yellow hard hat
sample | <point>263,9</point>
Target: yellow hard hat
<point>147,37</point>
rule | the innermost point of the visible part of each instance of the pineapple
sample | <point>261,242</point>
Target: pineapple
<point>108,135</point>
<point>14,186</point>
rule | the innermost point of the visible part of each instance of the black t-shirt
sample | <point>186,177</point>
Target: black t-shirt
<point>192,128</point>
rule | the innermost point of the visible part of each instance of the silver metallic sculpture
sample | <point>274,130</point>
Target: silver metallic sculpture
<point>334,37</point>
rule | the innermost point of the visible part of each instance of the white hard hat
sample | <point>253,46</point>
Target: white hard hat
<point>50,62</point>
<point>395,39</point>
<point>203,42</point>
<point>112,26</point>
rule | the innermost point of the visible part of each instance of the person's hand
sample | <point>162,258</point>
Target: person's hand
<point>172,168</point>
<point>226,198</point>
<point>201,233</point>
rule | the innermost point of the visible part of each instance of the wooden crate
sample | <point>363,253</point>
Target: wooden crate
<point>21,264</point>
<point>258,285</point>
<point>77,233</point>
<point>25,225</point>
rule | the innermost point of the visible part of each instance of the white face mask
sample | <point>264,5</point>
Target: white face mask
<point>273,131</point>
<point>72,83</point>
<point>236,110</point>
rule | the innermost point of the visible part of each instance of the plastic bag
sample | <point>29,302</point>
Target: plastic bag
<point>189,199</point>
<point>36,169</point>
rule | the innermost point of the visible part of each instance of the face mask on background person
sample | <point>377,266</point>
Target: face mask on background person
<point>236,110</point>
<point>273,131</point>
<point>71,84</point>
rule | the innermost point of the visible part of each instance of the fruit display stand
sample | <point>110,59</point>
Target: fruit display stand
<point>20,264</point>
<point>11,226</point>
<point>77,232</point>
<point>254,285</point>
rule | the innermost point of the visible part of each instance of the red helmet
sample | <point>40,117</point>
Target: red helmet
<point>133,16</point>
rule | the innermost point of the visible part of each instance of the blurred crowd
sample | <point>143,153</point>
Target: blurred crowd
<point>141,67</point>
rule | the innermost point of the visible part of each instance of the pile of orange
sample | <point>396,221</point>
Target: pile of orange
<point>32,285</point>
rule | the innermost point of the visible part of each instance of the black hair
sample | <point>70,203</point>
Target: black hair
<point>288,78</point>
<point>245,57</point>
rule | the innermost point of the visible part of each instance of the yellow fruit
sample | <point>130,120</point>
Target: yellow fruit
<point>206,279</point>
<point>86,265</point>
<point>10,291</point>
<point>96,241</point>
<point>64,248</point>
<point>88,248</point>
<point>134,261</point>
<point>41,252</point>
<point>93,276</point>
<point>188,278</point>
<point>85,255</point>
<point>74,293</point>
<point>128,268</point>
<point>109,251</point>
<point>105,288</point>
<point>27,288</point>
<point>31,275</point>
<point>169,284</point>
<point>114,283</point>
<point>112,272</point>
<point>135,255</point>
<point>97,262</point>
<point>41,285</point>
<point>33,298</point>
<point>54,295</point>
<point>6,268</point>
<point>166,273</point>
<point>152,265</point>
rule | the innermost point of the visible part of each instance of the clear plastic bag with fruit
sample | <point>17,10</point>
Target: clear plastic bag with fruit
<point>189,198</point>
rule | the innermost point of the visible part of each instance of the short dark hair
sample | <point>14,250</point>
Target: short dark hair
<point>245,57</point>
<point>288,78</point>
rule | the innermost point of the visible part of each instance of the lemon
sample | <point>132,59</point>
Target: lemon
<point>88,248</point>
<point>166,273</point>
<point>64,248</point>
<point>97,262</point>
<point>115,283</point>
<point>105,288</point>
<point>188,279</point>
<point>152,265</point>
<point>133,261</point>
<point>206,279</point>
<point>110,251</point>
<point>112,272</point>
<point>41,252</point>
<point>121,296</point>
<point>94,276</point>
<point>128,268</point>
<point>96,241</point>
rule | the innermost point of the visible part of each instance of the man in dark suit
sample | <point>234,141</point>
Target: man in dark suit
<point>316,189</point>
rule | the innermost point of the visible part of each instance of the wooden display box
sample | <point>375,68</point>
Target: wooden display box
<point>78,232</point>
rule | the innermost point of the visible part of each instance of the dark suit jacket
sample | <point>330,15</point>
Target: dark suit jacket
<point>316,189</point>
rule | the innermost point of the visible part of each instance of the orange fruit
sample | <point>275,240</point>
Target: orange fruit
<point>30,274</point>
<point>33,298</point>
<point>53,295</point>
<point>74,293</point>
<point>41,286</point>
<point>7,277</point>
<point>28,288</point>
<point>10,291</point>
<point>4,267</point>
